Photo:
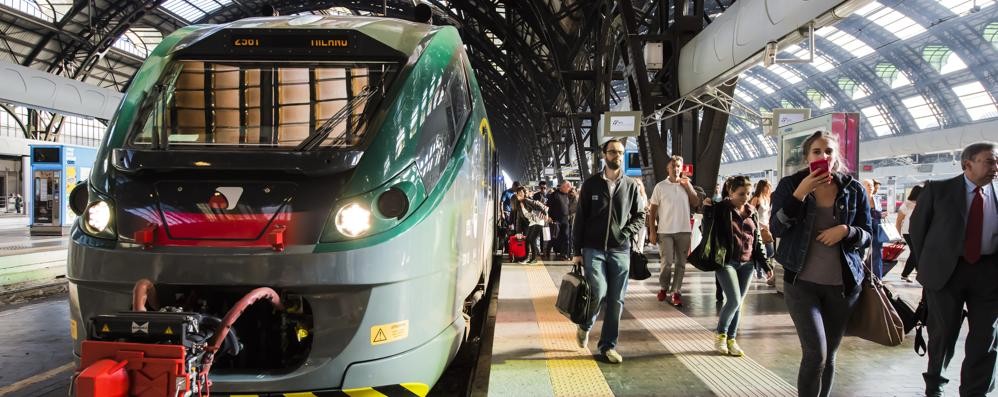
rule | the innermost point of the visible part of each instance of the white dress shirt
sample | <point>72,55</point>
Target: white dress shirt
<point>989,232</point>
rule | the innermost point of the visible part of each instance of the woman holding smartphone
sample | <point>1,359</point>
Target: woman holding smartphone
<point>822,217</point>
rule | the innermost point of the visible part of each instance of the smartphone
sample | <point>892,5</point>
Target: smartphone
<point>688,170</point>
<point>821,164</point>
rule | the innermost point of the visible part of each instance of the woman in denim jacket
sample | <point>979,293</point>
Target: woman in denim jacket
<point>823,222</point>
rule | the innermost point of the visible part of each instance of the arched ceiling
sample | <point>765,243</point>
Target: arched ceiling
<point>907,66</point>
<point>532,57</point>
<point>536,60</point>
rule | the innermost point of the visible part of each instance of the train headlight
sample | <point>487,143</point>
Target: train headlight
<point>353,220</point>
<point>97,219</point>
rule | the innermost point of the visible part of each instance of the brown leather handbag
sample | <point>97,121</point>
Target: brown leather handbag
<point>874,317</point>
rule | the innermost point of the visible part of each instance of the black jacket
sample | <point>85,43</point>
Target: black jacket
<point>607,223</point>
<point>721,215</point>
<point>561,206</point>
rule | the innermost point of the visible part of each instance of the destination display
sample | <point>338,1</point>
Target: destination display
<point>288,41</point>
<point>282,45</point>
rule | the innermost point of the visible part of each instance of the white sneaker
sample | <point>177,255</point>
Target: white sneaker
<point>581,337</point>
<point>734,349</point>
<point>613,357</point>
<point>721,344</point>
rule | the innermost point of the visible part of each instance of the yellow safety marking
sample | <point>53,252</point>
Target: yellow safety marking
<point>386,333</point>
<point>487,130</point>
<point>363,392</point>
<point>304,394</point>
<point>169,331</point>
<point>72,329</point>
<point>418,389</point>
<point>573,371</point>
<point>44,376</point>
<point>105,328</point>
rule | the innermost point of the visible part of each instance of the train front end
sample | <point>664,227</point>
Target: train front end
<point>301,154</point>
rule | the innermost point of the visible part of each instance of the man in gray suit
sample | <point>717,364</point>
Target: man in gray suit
<point>954,230</point>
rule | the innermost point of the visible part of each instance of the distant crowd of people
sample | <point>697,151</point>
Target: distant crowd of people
<point>822,225</point>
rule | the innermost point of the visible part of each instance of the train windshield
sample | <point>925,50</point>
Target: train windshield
<point>289,106</point>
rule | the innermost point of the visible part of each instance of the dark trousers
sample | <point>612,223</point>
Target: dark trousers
<point>560,237</point>
<point>912,262</point>
<point>820,313</point>
<point>975,286</point>
<point>534,240</point>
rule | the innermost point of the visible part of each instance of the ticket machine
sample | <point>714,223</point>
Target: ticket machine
<point>55,170</point>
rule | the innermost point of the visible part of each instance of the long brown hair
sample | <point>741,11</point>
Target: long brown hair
<point>763,189</point>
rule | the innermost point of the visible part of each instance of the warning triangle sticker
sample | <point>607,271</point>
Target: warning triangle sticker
<point>169,331</point>
<point>105,328</point>
<point>380,336</point>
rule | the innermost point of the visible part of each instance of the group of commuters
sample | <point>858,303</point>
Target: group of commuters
<point>823,220</point>
<point>527,213</point>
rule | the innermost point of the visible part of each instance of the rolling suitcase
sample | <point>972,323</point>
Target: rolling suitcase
<point>517,248</point>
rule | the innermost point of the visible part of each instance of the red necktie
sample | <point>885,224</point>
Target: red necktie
<point>975,226</point>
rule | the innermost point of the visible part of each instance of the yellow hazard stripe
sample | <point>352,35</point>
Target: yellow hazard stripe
<point>418,389</point>
<point>400,390</point>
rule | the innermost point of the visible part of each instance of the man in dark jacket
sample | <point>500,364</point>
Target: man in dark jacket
<point>954,233</point>
<point>561,204</point>
<point>609,215</point>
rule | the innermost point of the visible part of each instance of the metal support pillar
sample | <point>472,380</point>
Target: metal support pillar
<point>638,77</point>
<point>710,143</point>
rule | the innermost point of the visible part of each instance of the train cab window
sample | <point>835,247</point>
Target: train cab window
<point>252,104</point>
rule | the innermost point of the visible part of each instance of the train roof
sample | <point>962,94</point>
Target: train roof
<point>400,35</point>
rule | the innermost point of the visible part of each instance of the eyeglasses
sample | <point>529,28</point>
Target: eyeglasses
<point>614,152</point>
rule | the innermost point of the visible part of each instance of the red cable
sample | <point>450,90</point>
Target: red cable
<point>143,291</point>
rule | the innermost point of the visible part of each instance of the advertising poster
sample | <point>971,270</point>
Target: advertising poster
<point>843,125</point>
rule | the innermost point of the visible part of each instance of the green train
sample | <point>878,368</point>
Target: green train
<point>345,162</point>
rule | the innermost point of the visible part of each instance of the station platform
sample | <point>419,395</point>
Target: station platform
<point>668,351</point>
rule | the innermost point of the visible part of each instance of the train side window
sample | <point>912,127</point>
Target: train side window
<point>459,93</point>
<point>439,132</point>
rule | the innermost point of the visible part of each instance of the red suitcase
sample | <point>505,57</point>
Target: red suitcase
<point>517,248</point>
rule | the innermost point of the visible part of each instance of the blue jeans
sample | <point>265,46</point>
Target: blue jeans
<point>734,278</point>
<point>877,246</point>
<point>606,272</point>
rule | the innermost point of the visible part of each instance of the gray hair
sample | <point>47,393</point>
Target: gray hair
<point>974,149</point>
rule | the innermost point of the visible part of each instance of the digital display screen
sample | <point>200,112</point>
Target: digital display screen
<point>290,41</point>
<point>45,155</point>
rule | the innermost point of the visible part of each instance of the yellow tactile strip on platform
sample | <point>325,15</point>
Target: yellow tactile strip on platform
<point>694,346</point>
<point>572,370</point>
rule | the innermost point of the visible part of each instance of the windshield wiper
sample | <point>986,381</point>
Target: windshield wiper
<point>344,113</point>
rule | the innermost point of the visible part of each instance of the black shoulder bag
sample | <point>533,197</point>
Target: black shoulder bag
<point>573,296</point>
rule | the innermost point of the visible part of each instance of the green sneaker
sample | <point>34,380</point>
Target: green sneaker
<point>734,349</point>
<point>721,343</point>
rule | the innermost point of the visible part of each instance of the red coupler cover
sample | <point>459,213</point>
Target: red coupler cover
<point>153,370</point>
<point>103,378</point>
